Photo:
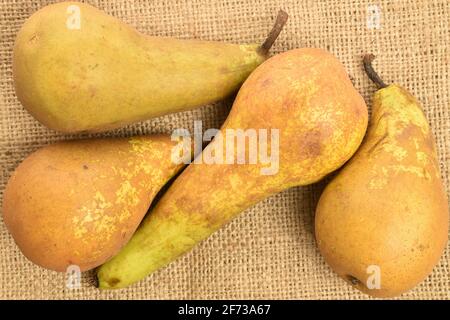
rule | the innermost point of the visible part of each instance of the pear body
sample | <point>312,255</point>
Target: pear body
<point>321,119</point>
<point>78,69</point>
<point>382,223</point>
<point>78,202</point>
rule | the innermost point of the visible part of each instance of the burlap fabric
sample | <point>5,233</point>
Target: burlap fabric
<point>269,251</point>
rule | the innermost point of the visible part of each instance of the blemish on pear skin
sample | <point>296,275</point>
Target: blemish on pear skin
<point>422,157</point>
<point>378,143</point>
<point>127,194</point>
<point>93,216</point>
<point>142,146</point>
<point>429,141</point>
<point>224,70</point>
<point>418,171</point>
<point>398,152</point>
<point>92,91</point>
<point>124,215</point>
<point>113,282</point>
<point>33,39</point>
<point>266,83</point>
<point>405,133</point>
<point>378,183</point>
<point>312,144</point>
<point>290,103</point>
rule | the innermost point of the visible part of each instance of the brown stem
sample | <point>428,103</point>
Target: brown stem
<point>273,34</point>
<point>367,61</point>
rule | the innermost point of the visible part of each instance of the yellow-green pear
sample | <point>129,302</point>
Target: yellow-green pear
<point>79,202</point>
<point>382,222</point>
<point>78,69</point>
<point>300,118</point>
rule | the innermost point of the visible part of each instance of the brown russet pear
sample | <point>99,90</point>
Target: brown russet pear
<point>78,69</point>
<point>310,109</point>
<point>382,222</point>
<point>79,202</point>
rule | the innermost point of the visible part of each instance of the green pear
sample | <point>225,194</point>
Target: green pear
<point>78,69</point>
<point>313,120</point>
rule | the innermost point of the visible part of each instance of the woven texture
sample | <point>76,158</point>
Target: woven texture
<point>269,251</point>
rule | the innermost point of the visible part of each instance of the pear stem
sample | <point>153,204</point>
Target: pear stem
<point>282,17</point>
<point>367,61</point>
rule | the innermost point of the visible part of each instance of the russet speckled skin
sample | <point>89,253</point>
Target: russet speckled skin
<point>307,95</point>
<point>387,207</point>
<point>106,74</point>
<point>79,202</point>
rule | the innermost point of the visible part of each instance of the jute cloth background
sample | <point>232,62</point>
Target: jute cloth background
<point>269,251</point>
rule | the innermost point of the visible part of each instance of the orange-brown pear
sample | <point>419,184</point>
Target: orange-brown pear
<point>382,222</point>
<point>78,202</point>
<point>321,119</point>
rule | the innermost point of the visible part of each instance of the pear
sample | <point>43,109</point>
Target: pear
<point>314,121</point>
<point>79,202</point>
<point>78,69</point>
<point>382,223</point>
